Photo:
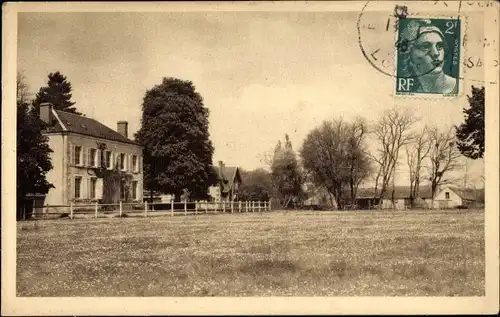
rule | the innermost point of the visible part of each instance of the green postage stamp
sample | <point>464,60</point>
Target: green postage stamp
<point>428,56</point>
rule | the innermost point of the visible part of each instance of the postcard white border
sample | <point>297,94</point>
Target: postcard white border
<point>12,305</point>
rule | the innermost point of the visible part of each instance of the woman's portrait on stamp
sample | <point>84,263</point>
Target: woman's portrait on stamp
<point>427,63</point>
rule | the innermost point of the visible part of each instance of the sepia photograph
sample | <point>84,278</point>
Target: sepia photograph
<point>250,158</point>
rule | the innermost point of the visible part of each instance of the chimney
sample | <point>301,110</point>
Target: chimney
<point>221,170</point>
<point>46,114</point>
<point>122,128</point>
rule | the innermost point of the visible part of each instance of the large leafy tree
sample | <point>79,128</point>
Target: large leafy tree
<point>334,156</point>
<point>57,92</point>
<point>286,174</point>
<point>33,151</point>
<point>256,185</point>
<point>174,134</point>
<point>470,134</point>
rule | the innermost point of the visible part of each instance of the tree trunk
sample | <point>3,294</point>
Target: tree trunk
<point>177,196</point>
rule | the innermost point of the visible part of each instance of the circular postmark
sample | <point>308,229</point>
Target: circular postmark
<point>422,52</point>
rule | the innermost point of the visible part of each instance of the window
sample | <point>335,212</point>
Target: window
<point>107,158</point>
<point>122,161</point>
<point>447,195</point>
<point>134,190</point>
<point>134,163</point>
<point>77,155</point>
<point>93,186</point>
<point>122,190</point>
<point>93,157</point>
<point>78,186</point>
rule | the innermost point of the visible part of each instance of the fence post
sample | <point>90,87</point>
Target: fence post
<point>146,208</point>
<point>206,206</point>
<point>172,207</point>
<point>96,209</point>
<point>253,206</point>
<point>269,205</point>
<point>258,206</point>
<point>239,206</point>
<point>121,208</point>
<point>223,206</point>
<point>232,206</point>
<point>195,207</point>
<point>71,210</point>
<point>185,207</point>
<point>246,206</point>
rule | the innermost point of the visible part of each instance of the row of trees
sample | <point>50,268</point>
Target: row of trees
<point>335,156</point>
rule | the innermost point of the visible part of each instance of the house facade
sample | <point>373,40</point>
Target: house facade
<point>91,162</point>
<point>228,183</point>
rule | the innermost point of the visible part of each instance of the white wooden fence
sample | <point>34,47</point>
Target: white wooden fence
<point>146,209</point>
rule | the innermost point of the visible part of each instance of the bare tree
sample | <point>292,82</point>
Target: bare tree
<point>358,162</point>
<point>391,131</point>
<point>22,91</point>
<point>416,152</point>
<point>444,158</point>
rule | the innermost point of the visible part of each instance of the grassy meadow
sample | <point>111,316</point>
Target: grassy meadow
<point>300,253</point>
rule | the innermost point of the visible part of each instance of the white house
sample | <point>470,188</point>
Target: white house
<point>91,162</point>
<point>453,197</point>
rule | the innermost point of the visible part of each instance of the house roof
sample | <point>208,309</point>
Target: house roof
<point>230,173</point>
<point>71,122</point>
<point>467,193</point>
<point>400,192</point>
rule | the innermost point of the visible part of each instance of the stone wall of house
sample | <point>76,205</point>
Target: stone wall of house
<point>65,171</point>
<point>55,176</point>
<point>87,173</point>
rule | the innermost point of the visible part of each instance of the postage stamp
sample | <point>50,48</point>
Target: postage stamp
<point>428,56</point>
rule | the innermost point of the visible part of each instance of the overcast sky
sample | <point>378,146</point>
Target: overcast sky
<point>261,74</point>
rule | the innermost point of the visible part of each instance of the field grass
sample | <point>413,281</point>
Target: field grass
<point>435,253</point>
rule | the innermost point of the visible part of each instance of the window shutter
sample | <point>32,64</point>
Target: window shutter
<point>72,188</point>
<point>99,188</point>
<point>139,164</point>
<point>85,156</point>
<point>98,158</point>
<point>111,159</point>
<point>88,181</point>
<point>72,154</point>
<point>130,163</point>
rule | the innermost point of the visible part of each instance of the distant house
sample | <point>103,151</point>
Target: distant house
<point>318,197</point>
<point>397,197</point>
<point>91,162</point>
<point>453,197</point>
<point>228,183</point>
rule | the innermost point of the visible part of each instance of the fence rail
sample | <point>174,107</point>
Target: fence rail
<point>146,209</point>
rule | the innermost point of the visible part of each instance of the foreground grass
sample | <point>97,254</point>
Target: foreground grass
<point>270,254</point>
